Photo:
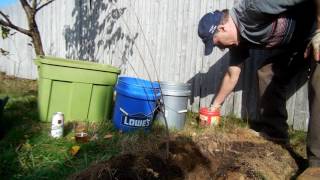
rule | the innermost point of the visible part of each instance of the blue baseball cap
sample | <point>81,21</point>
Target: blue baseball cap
<point>207,27</point>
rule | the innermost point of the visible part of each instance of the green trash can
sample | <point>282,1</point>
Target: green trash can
<point>81,90</point>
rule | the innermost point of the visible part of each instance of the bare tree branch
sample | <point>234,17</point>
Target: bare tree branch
<point>5,16</point>
<point>30,8</point>
<point>43,5</point>
<point>12,26</point>
<point>34,4</point>
<point>26,8</point>
<point>8,23</point>
<point>38,3</point>
<point>25,3</point>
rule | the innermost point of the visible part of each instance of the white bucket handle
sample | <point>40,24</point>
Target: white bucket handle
<point>124,112</point>
<point>183,111</point>
<point>127,114</point>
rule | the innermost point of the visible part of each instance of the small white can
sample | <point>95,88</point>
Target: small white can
<point>57,125</point>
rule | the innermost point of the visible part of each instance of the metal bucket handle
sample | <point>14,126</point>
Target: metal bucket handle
<point>127,114</point>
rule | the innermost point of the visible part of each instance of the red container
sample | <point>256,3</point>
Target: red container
<point>209,118</point>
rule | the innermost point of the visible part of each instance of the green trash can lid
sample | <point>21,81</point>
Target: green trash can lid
<point>75,64</point>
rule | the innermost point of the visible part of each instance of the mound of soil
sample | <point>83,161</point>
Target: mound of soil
<point>207,156</point>
<point>131,166</point>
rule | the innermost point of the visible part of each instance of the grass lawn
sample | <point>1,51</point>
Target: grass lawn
<point>28,152</point>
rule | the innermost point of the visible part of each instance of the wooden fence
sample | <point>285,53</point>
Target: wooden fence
<point>143,38</point>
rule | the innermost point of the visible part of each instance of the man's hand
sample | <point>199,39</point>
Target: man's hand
<point>214,108</point>
<point>314,46</point>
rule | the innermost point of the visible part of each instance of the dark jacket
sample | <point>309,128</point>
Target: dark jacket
<point>272,24</point>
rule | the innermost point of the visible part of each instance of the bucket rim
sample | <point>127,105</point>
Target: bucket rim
<point>150,85</point>
<point>176,93</point>
<point>174,83</point>
<point>206,111</point>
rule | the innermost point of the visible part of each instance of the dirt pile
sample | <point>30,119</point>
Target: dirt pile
<point>237,155</point>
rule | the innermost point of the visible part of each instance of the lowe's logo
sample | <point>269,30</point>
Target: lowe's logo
<point>137,120</point>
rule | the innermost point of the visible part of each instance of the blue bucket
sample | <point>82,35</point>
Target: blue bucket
<point>135,103</point>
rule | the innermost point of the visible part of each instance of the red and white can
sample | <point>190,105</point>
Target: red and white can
<point>57,125</point>
<point>209,118</point>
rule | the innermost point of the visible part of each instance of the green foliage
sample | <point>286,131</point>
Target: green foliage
<point>5,32</point>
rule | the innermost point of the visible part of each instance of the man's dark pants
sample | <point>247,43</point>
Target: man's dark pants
<point>278,71</point>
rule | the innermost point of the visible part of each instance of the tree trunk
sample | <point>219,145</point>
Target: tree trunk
<point>35,35</point>
<point>33,32</point>
<point>36,40</point>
